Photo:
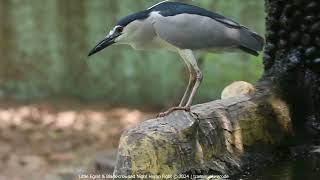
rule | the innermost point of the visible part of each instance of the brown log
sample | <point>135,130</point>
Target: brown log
<point>216,137</point>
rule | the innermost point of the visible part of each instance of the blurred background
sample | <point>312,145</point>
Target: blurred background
<point>61,112</point>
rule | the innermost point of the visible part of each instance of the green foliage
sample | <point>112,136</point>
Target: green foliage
<point>44,46</point>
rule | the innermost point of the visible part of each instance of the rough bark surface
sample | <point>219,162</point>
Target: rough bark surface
<point>292,57</point>
<point>215,137</point>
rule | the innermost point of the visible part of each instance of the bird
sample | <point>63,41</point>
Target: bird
<point>182,28</point>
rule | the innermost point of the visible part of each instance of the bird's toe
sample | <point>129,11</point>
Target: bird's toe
<point>163,114</point>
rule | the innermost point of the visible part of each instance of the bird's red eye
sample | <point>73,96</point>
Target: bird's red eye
<point>119,29</point>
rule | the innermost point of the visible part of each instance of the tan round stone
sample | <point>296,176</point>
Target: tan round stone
<point>237,88</point>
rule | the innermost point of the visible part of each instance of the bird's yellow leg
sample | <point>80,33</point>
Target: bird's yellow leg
<point>191,83</point>
<point>195,88</point>
<point>188,56</point>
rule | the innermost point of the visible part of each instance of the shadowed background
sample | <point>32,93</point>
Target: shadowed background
<point>59,108</point>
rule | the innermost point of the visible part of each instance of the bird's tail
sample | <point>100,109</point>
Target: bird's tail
<point>251,42</point>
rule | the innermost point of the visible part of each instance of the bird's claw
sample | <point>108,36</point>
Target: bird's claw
<point>163,114</point>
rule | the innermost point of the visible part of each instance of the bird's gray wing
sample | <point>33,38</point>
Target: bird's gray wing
<point>190,31</point>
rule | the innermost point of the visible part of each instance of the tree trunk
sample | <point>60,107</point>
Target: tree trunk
<point>225,135</point>
<point>292,57</point>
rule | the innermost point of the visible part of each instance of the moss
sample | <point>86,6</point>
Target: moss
<point>252,125</point>
<point>257,124</point>
<point>281,109</point>
<point>150,154</point>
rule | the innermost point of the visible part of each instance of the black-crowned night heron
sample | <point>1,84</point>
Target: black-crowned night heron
<point>182,28</point>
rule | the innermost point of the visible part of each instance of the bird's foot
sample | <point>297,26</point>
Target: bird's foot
<point>163,114</point>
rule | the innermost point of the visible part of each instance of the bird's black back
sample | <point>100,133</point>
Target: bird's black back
<point>175,8</point>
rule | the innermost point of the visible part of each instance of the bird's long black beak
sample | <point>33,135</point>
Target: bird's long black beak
<point>109,40</point>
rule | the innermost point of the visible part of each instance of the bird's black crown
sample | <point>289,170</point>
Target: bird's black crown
<point>136,16</point>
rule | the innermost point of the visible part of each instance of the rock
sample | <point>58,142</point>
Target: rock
<point>236,89</point>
